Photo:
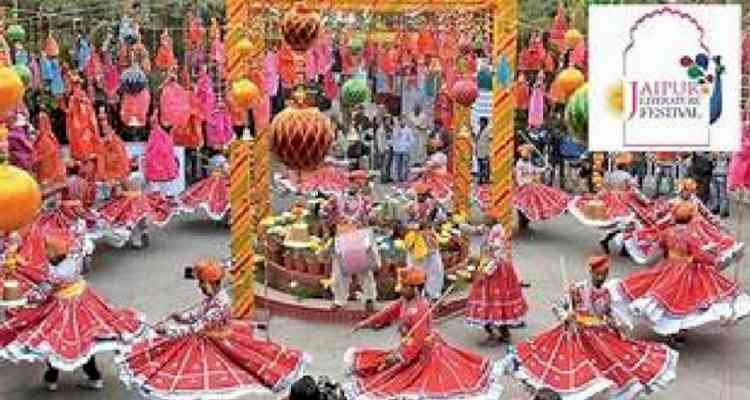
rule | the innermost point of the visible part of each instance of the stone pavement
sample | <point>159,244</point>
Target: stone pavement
<point>714,364</point>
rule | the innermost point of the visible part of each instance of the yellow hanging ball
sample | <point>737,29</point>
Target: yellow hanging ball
<point>20,198</point>
<point>573,37</point>
<point>245,93</point>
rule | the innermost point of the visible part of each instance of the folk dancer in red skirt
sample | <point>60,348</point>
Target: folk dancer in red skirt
<point>68,323</point>
<point>585,354</point>
<point>134,210</point>
<point>534,200</point>
<point>424,366</point>
<point>356,253</point>
<point>211,194</point>
<point>620,202</point>
<point>421,242</point>
<point>496,301</point>
<point>643,245</point>
<point>204,354</point>
<point>685,290</point>
<point>23,258</point>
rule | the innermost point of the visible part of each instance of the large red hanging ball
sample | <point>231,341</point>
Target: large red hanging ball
<point>465,92</point>
<point>301,27</point>
<point>301,137</point>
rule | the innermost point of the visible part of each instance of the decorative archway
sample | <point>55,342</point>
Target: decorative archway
<point>250,161</point>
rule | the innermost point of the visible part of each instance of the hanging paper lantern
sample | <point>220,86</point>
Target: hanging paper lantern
<point>577,114</point>
<point>16,33</point>
<point>245,47</point>
<point>465,92</point>
<point>245,94</point>
<point>357,45</point>
<point>354,92</point>
<point>23,72</point>
<point>301,137</point>
<point>572,38</point>
<point>11,90</point>
<point>568,81</point>
<point>301,27</point>
<point>133,80</point>
<point>20,198</point>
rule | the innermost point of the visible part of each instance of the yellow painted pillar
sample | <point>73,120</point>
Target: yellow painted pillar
<point>503,113</point>
<point>463,151</point>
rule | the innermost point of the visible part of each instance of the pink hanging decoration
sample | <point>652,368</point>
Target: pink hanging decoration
<point>579,56</point>
<point>287,69</point>
<point>532,58</point>
<point>174,104</point>
<point>160,161</point>
<point>165,58</point>
<point>348,61</point>
<point>324,51</point>
<point>330,87</point>
<point>36,74</point>
<point>204,92</point>
<point>262,113</point>
<point>218,54</point>
<point>271,70</point>
<point>134,108</point>
<point>111,80</point>
<point>559,28</point>
<point>536,104</point>
<point>219,130</point>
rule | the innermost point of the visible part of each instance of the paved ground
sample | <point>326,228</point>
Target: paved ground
<point>713,365</point>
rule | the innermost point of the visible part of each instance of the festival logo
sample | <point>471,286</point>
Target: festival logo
<point>659,81</point>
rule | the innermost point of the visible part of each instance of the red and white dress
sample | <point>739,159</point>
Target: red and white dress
<point>25,259</point>
<point>209,355</point>
<point>428,367</point>
<point>683,291</point>
<point>70,324</point>
<point>644,246</point>
<point>496,297</point>
<point>586,356</point>
<point>211,195</point>
<point>536,201</point>
<point>622,200</point>
<point>133,208</point>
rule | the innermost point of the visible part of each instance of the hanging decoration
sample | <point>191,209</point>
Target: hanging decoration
<point>133,80</point>
<point>465,92</point>
<point>568,80</point>
<point>577,114</point>
<point>15,33</point>
<point>301,136</point>
<point>301,26</point>
<point>20,197</point>
<point>354,92</point>
<point>245,94</point>
<point>573,38</point>
<point>11,90</point>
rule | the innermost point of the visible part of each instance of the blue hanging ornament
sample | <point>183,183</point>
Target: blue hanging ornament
<point>504,73</point>
<point>716,102</point>
<point>701,60</point>
<point>84,54</point>
<point>133,80</point>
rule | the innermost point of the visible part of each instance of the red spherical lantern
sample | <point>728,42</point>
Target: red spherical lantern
<point>301,137</point>
<point>301,27</point>
<point>465,92</point>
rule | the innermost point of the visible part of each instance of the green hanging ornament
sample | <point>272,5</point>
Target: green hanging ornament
<point>16,33</point>
<point>354,92</point>
<point>577,114</point>
<point>357,45</point>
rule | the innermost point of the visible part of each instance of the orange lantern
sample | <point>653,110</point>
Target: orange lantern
<point>465,92</point>
<point>245,94</point>
<point>301,137</point>
<point>20,198</point>
<point>572,38</point>
<point>568,81</point>
<point>11,90</point>
<point>301,27</point>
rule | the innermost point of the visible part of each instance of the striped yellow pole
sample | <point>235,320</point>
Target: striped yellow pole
<point>241,211</point>
<point>241,153</point>
<point>503,112</point>
<point>462,154</point>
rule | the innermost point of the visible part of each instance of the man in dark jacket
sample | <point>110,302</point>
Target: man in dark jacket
<point>701,170</point>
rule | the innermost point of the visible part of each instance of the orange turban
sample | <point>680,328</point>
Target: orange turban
<point>209,270</point>
<point>624,159</point>
<point>413,277</point>
<point>421,188</point>
<point>687,185</point>
<point>599,264</point>
<point>683,211</point>
<point>58,244</point>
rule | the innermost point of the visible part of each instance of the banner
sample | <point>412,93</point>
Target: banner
<point>664,78</point>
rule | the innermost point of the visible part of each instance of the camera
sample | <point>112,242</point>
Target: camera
<point>307,388</point>
<point>189,272</point>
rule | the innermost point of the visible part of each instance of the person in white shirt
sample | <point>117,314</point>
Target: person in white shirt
<point>402,143</point>
<point>418,121</point>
